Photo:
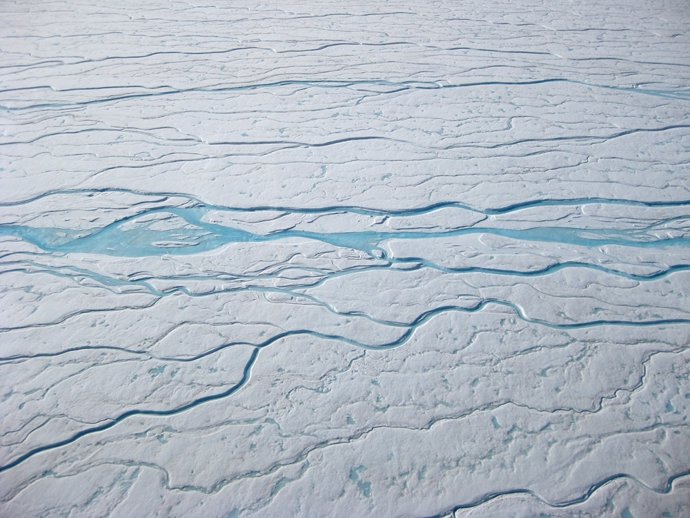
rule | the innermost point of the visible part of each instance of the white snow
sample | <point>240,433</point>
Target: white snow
<point>336,259</point>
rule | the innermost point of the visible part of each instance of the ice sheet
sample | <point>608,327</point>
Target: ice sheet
<point>336,259</point>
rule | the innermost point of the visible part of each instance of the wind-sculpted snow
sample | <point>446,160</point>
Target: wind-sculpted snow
<point>331,260</point>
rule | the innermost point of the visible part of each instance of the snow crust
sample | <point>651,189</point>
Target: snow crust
<point>337,259</point>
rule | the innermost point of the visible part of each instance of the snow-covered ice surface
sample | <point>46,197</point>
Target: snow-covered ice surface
<point>330,259</point>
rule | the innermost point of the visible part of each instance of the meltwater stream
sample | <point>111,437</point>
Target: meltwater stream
<point>288,259</point>
<point>185,231</point>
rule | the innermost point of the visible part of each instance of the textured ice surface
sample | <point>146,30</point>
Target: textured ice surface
<point>345,258</point>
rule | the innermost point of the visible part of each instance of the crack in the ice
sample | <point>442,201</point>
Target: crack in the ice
<point>398,86</point>
<point>564,504</point>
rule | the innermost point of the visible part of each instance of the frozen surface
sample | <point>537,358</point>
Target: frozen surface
<point>333,259</point>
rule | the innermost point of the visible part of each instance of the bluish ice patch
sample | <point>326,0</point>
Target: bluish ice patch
<point>363,486</point>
